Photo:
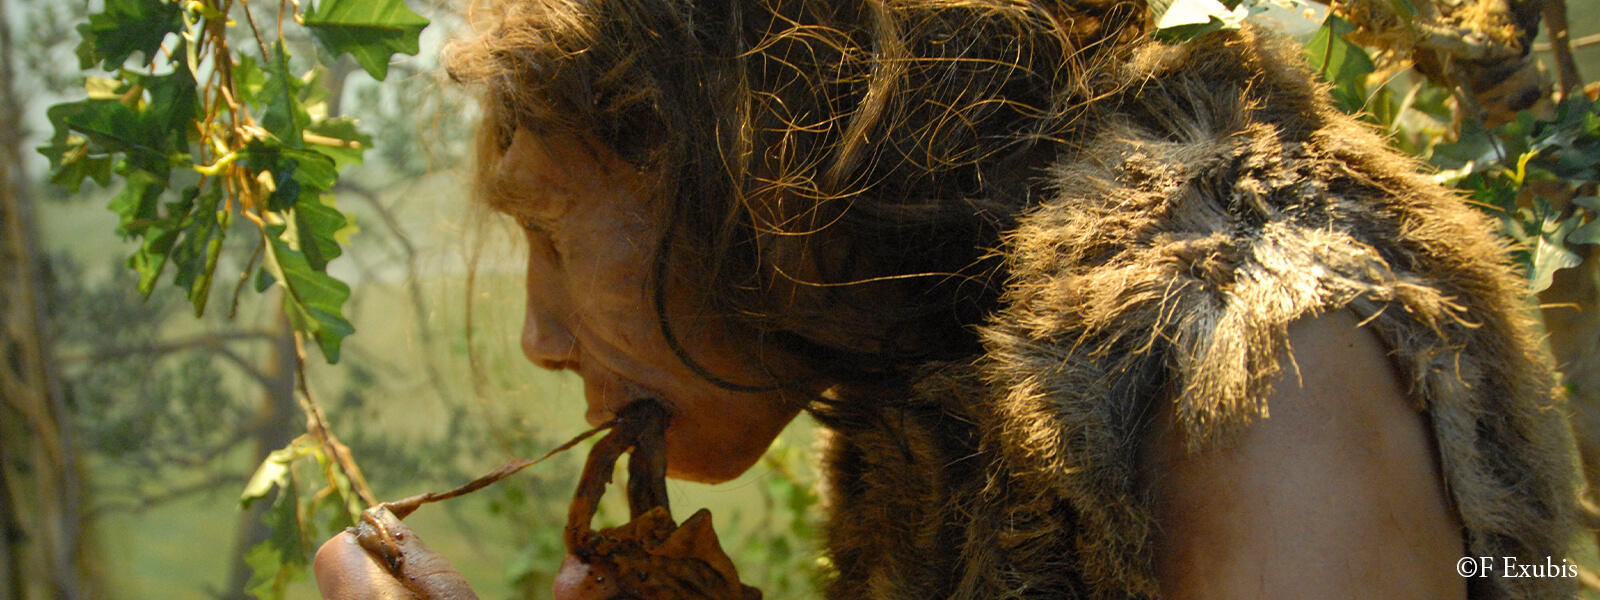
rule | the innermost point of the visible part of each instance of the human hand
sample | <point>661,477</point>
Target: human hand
<point>384,560</point>
<point>649,557</point>
<point>347,571</point>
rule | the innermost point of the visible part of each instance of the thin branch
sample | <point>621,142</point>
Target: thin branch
<point>317,425</point>
<point>1583,42</point>
<point>1555,20</point>
<point>144,503</point>
<point>245,365</point>
<point>213,341</point>
<point>251,19</point>
<point>244,278</point>
<point>203,458</point>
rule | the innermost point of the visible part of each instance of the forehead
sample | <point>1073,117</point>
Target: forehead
<point>544,178</point>
<point>545,175</point>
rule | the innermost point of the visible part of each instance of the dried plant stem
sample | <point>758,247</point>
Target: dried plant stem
<point>317,425</point>
<point>406,506</point>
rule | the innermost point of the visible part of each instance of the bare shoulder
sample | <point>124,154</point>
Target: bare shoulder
<point>1336,494</point>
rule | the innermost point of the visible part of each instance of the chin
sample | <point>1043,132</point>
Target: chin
<point>699,468</point>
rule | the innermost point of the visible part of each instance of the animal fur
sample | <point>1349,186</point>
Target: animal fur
<point>1211,199</point>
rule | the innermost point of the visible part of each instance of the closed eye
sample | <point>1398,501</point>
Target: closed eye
<point>533,225</point>
<point>540,242</point>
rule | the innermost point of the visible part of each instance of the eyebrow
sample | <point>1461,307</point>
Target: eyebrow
<point>495,200</point>
<point>497,197</point>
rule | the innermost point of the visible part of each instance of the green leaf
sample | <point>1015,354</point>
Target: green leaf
<point>369,30</point>
<point>343,130</point>
<point>348,504</point>
<point>316,171</point>
<point>153,134</point>
<point>137,204</point>
<point>285,115</point>
<point>315,225</point>
<point>1183,20</point>
<point>272,473</point>
<point>313,299</point>
<point>1434,101</point>
<point>296,174</point>
<point>1587,234</point>
<point>263,280</point>
<point>170,114</point>
<point>282,558</point>
<point>196,256</point>
<point>249,81</point>
<point>1383,108</point>
<point>339,516</point>
<point>1340,63</point>
<point>72,161</point>
<point>1472,144</point>
<point>109,126</point>
<point>126,26</point>
<point>159,236</point>
<point>270,577</point>
<point>1548,252</point>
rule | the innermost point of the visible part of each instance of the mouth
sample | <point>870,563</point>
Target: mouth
<point>605,396</point>
<point>597,417</point>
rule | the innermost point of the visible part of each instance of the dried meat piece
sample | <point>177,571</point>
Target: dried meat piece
<point>649,558</point>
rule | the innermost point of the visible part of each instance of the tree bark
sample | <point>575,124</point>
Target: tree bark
<point>43,528</point>
<point>1555,19</point>
<point>278,420</point>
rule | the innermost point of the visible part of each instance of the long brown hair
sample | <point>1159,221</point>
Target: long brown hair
<point>836,173</point>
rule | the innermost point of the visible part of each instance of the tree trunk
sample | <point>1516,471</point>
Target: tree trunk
<point>42,525</point>
<point>278,420</point>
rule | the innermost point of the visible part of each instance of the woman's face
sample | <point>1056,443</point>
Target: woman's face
<point>592,235</point>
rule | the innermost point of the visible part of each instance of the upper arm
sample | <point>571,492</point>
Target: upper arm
<point>1337,494</point>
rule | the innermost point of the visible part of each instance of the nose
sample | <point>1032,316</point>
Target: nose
<point>546,341</point>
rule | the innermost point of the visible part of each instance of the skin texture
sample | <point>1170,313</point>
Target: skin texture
<point>592,239</point>
<point>1337,494</point>
<point>345,571</point>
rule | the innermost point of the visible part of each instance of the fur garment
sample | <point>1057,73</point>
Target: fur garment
<point>1213,197</point>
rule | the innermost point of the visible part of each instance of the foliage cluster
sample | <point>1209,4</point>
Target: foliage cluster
<point>204,115</point>
<point>200,133</point>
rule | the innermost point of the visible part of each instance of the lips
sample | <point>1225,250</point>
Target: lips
<point>606,393</point>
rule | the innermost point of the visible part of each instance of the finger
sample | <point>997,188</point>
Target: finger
<point>576,581</point>
<point>345,571</point>
<point>422,571</point>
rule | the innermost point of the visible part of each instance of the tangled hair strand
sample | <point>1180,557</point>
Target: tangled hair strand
<point>839,171</point>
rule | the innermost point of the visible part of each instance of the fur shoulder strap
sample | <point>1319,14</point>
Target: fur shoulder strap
<point>1182,239</point>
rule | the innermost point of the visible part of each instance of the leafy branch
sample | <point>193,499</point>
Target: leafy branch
<point>201,133</point>
<point>218,136</point>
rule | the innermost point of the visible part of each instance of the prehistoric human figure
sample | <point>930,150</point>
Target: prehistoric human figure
<point>1084,315</point>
